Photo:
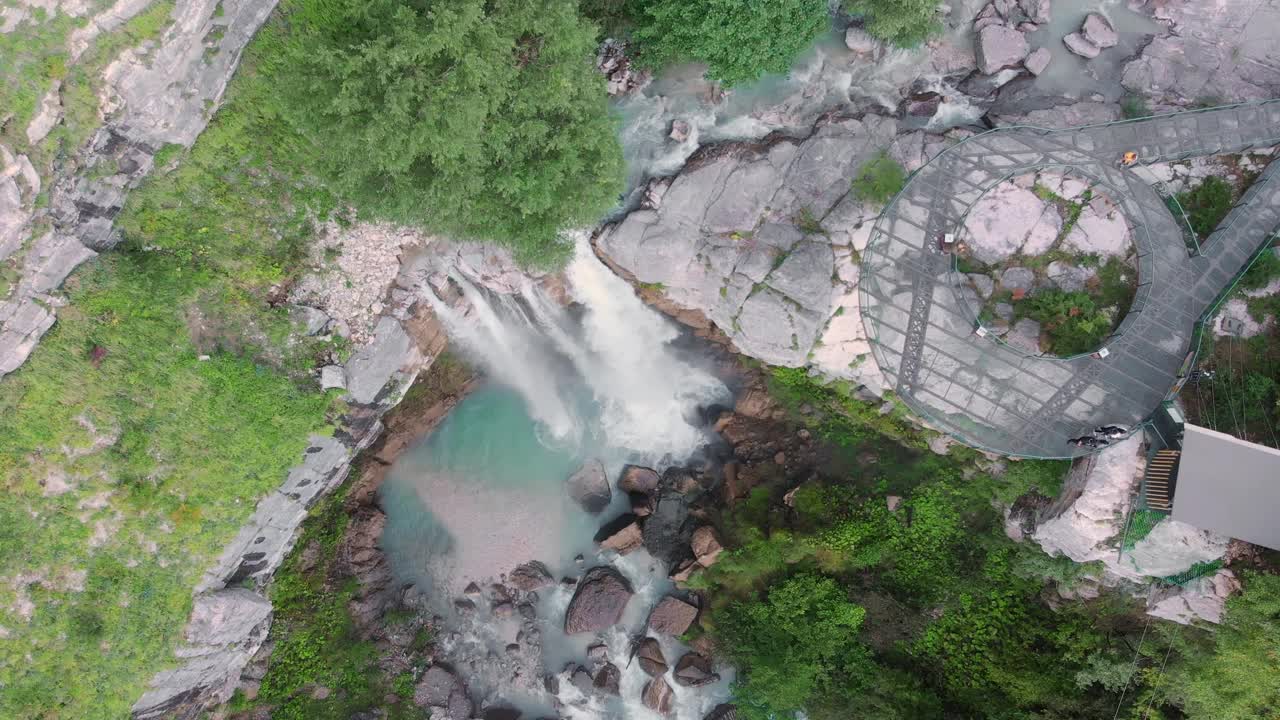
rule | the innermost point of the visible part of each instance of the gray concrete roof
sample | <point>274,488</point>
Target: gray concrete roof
<point>1229,486</point>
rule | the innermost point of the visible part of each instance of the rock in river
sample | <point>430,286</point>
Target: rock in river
<point>530,576</point>
<point>599,601</point>
<point>621,535</point>
<point>608,679</point>
<point>658,696</point>
<point>694,670</point>
<point>649,655</point>
<point>1000,46</point>
<point>672,616</point>
<point>590,487</point>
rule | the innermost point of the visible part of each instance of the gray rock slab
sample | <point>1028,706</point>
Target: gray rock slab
<point>1018,278</point>
<point>373,365</point>
<point>1025,335</point>
<point>805,276</point>
<point>1068,277</point>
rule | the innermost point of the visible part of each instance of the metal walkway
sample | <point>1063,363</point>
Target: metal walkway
<point>994,397</point>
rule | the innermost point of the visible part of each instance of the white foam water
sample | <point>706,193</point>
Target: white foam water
<point>646,395</point>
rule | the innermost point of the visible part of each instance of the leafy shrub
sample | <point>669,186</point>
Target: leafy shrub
<point>905,23</point>
<point>1239,679</point>
<point>1207,204</point>
<point>483,120</point>
<point>1263,270</point>
<point>879,179</point>
<point>1072,320</point>
<point>738,39</point>
<point>1133,107</point>
<point>791,644</point>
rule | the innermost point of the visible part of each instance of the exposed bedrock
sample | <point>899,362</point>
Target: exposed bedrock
<point>1224,50</point>
<point>160,93</point>
<point>762,240</point>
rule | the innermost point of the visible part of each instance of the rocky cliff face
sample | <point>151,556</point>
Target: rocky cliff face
<point>762,239</point>
<point>160,93</point>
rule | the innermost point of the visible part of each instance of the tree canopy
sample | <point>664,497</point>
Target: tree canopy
<point>483,120</point>
<point>791,643</point>
<point>740,40</point>
<point>906,23</point>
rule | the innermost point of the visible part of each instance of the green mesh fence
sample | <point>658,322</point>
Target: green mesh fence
<point>1141,523</point>
<point>1195,572</point>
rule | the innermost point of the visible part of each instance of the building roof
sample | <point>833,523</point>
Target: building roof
<point>1229,486</point>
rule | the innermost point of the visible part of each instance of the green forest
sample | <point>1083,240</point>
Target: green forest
<point>487,119</point>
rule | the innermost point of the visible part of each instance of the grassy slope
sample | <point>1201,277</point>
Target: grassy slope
<point>109,564</point>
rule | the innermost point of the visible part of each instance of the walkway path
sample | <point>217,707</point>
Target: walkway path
<point>995,397</point>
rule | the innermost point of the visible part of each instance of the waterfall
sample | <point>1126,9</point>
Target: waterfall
<point>646,394</point>
<point>511,354</point>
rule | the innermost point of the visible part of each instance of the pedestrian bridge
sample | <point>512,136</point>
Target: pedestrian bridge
<point>995,397</point>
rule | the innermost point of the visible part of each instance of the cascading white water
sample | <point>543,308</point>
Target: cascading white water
<point>511,353</point>
<point>646,396</point>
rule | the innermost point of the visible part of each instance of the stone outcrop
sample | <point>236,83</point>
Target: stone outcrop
<point>1087,528</point>
<point>1080,45</point>
<point>1008,220</point>
<point>225,630</point>
<point>1098,31</point>
<point>722,712</point>
<point>589,487</point>
<point>408,340</point>
<point>636,479</point>
<point>1201,600</point>
<point>706,546</point>
<point>598,602</point>
<point>621,78</point>
<point>158,94</point>
<point>1196,60</point>
<point>759,239</point>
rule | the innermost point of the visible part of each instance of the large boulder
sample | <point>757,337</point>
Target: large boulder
<point>999,47</point>
<point>694,670</point>
<point>636,479</point>
<point>445,693</point>
<point>649,655</point>
<point>658,696</point>
<point>860,41</point>
<point>589,487</point>
<point>672,616</point>
<point>608,679</point>
<point>598,602</point>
